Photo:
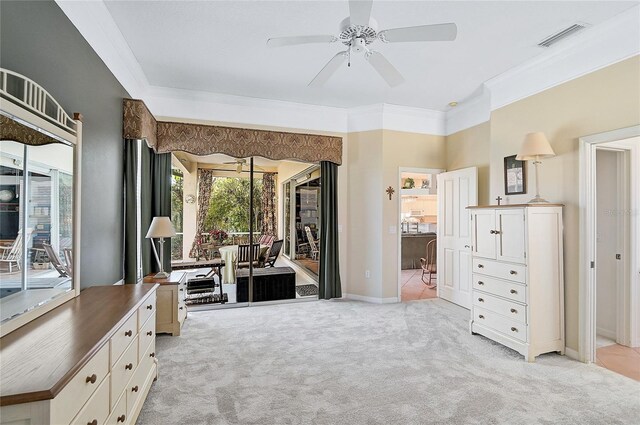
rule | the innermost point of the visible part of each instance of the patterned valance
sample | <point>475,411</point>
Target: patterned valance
<point>17,132</point>
<point>138,122</point>
<point>201,139</point>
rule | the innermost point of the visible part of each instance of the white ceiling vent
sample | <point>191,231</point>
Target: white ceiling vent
<point>561,35</point>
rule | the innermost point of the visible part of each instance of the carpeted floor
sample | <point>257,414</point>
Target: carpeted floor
<point>346,362</point>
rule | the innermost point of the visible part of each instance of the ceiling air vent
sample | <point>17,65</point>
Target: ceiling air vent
<point>559,36</point>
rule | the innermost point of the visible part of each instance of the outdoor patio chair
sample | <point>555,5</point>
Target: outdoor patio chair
<point>313,244</point>
<point>266,240</point>
<point>274,251</point>
<point>243,258</point>
<point>63,269</point>
<point>12,255</point>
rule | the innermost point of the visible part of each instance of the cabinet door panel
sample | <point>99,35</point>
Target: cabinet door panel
<point>511,239</point>
<point>484,241</point>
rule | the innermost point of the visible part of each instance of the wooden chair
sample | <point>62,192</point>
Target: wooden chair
<point>243,258</point>
<point>274,251</point>
<point>12,254</point>
<point>266,240</point>
<point>313,244</point>
<point>62,269</point>
<point>428,264</point>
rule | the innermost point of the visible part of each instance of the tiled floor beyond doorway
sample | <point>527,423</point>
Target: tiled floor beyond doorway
<point>413,288</point>
<point>618,358</point>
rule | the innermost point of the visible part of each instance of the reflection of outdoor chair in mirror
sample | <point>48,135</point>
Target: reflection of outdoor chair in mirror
<point>11,255</point>
<point>63,269</point>
<point>313,243</point>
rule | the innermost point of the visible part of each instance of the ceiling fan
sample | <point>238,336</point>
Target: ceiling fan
<point>357,32</point>
<point>239,164</point>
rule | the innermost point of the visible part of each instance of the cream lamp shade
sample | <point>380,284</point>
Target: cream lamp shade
<point>535,146</point>
<point>161,227</point>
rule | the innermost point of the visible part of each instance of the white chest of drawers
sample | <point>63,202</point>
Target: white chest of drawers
<point>517,277</point>
<point>89,361</point>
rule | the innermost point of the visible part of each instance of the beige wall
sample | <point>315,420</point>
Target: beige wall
<point>604,100</point>
<point>472,148</point>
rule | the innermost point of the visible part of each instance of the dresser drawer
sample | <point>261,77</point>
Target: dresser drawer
<point>497,322</point>
<point>119,413</point>
<point>136,386</point>
<point>147,309</point>
<point>123,337</point>
<point>124,370</point>
<point>511,290</point>
<point>96,410</point>
<point>147,335</point>
<point>76,393</point>
<point>500,270</point>
<point>513,311</point>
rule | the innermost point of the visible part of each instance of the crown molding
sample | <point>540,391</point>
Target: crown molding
<point>96,25</point>
<point>413,120</point>
<point>191,104</point>
<point>597,47</point>
<point>470,113</point>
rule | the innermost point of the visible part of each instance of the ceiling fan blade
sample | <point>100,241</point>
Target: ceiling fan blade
<point>329,69</point>
<point>301,39</point>
<point>384,68</point>
<point>360,11</point>
<point>437,32</point>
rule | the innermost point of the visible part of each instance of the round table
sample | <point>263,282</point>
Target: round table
<point>229,253</point>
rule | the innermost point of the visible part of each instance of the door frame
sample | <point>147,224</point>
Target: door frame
<point>401,170</point>
<point>587,240</point>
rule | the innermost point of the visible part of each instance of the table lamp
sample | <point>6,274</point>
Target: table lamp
<point>535,147</point>
<point>161,227</point>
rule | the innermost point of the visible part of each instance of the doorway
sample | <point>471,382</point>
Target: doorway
<point>609,257</point>
<point>418,223</point>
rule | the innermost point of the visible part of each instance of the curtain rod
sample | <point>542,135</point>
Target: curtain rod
<point>243,171</point>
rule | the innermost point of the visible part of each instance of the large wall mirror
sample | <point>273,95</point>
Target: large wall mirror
<point>39,202</point>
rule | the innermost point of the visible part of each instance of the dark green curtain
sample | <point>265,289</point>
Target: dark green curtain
<point>329,285</point>
<point>155,201</point>
<point>130,225</point>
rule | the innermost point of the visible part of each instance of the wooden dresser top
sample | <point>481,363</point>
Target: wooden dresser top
<point>38,359</point>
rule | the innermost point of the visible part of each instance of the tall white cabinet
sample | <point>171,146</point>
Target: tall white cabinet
<point>517,277</point>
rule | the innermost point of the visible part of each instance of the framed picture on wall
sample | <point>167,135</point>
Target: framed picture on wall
<point>515,176</point>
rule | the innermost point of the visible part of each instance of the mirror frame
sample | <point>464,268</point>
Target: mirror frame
<point>30,111</point>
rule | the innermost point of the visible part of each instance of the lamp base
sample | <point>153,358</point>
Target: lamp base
<point>161,275</point>
<point>538,200</point>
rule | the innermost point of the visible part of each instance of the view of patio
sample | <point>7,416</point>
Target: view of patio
<point>211,206</point>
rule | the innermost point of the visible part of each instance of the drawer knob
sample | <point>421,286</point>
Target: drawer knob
<point>480,266</point>
<point>493,232</point>
<point>128,333</point>
<point>121,418</point>
<point>514,311</point>
<point>513,291</point>
<point>134,389</point>
<point>181,289</point>
<point>514,329</point>
<point>481,316</point>
<point>152,355</point>
<point>481,283</point>
<point>513,272</point>
<point>181,308</point>
<point>481,300</point>
<point>150,333</point>
<point>150,306</point>
<point>93,422</point>
<point>129,366</point>
<point>92,379</point>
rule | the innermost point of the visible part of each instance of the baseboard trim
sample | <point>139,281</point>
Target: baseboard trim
<point>372,300</point>
<point>606,333</point>
<point>120,282</point>
<point>571,353</point>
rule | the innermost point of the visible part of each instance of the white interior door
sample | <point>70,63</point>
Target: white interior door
<point>456,191</point>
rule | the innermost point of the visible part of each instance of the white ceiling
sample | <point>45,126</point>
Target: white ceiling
<point>220,46</point>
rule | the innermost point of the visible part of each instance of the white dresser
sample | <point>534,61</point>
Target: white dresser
<point>89,361</point>
<point>517,277</point>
